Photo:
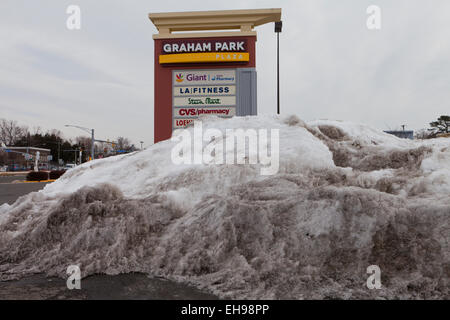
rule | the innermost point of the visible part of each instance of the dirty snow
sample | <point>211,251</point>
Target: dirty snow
<point>346,197</point>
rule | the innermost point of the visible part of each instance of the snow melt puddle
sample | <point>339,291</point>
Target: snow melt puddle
<point>346,197</point>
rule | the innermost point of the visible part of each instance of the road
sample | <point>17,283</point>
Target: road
<point>133,286</point>
<point>10,191</point>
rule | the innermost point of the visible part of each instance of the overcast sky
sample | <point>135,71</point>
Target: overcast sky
<point>332,66</point>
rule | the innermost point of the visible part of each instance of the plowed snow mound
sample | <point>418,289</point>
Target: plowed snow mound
<point>346,197</point>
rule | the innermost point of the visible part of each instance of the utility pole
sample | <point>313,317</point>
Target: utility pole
<point>92,145</point>
<point>278,27</point>
<point>91,131</point>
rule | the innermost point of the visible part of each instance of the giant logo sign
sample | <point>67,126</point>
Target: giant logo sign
<point>195,77</point>
<point>199,92</point>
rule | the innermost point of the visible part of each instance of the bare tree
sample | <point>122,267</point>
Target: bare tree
<point>425,134</point>
<point>83,142</point>
<point>123,143</point>
<point>11,132</point>
<point>57,133</point>
<point>37,130</point>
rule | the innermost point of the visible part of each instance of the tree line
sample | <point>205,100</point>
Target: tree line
<point>14,135</point>
<point>438,128</point>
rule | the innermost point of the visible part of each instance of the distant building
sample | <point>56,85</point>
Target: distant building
<point>22,158</point>
<point>404,134</point>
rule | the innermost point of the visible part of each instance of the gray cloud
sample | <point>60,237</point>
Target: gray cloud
<point>331,66</point>
<point>47,62</point>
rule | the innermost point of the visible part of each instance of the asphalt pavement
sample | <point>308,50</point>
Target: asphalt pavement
<point>132,286</point>
<point>11,189</point>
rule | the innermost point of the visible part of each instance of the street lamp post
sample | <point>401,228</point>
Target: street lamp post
<point>92,144</point>
<point>91,131</point>
<point>278,27</point>
<point>141,144</point>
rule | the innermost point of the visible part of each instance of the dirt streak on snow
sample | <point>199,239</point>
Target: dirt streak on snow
<point>346,196</point>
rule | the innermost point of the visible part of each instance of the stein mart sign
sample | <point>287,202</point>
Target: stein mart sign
<point>204,101</point>
<point>200,92</point>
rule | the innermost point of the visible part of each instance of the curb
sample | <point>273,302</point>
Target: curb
<point>14,173</point>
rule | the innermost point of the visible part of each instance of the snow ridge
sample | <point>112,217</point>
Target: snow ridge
<point>346,197</point>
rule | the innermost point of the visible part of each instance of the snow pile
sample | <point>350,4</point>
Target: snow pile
<point>346,197</point>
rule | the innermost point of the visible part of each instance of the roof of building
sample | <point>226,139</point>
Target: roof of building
<point>400,131</point>
<point>243,20</point>
<point>28,148</point>
<point>409,134</point>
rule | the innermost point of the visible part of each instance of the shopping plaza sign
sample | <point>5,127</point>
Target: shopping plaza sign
<point>206,72</point>
<point>198,51</point>
<point>186,46</point>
